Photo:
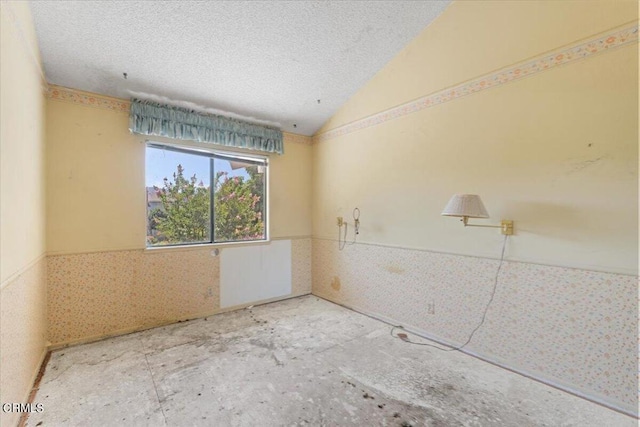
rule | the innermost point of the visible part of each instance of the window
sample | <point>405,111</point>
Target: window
<point>196,197</point>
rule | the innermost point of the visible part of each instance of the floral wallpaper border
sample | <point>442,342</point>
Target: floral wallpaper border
<point>73,96</point>
<point>562,56</point>
<point>296,138</point>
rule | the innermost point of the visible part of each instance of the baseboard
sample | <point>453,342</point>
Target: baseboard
<point>35,383</point>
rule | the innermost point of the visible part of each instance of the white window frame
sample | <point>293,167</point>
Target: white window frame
<point>216,154</point>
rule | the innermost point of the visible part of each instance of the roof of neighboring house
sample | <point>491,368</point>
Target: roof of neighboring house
<point>152,195</point>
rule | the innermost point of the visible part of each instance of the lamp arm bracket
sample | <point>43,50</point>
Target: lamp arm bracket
<point>482,225</point>
<point>506,225</point>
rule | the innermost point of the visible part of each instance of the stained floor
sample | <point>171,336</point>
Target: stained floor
<point>299,362</point>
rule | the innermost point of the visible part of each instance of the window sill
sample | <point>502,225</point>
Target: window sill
<point>204,246</point>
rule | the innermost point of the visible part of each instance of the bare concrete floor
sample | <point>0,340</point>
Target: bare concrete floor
<point>298,362</point>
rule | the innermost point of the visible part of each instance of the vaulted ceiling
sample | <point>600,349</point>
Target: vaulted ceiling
<point>294,63</point>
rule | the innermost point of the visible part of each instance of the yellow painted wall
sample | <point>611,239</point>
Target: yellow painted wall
<point>22,189</point>
<point>95,180</point>
<point>557,152</point>
<point>95,176</point>
<point>22,204</point>
<point>290,190</point>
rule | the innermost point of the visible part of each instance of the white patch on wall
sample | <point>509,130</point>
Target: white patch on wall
<point>254,273</point>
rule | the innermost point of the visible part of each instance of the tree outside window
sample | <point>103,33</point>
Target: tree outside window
<point>179,209</point>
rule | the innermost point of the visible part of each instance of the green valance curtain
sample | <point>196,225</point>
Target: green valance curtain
<point>153,118</point>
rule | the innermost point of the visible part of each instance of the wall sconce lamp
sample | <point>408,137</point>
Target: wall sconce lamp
<point>471,206</point>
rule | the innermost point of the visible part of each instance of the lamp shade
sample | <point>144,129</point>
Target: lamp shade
<point>469,205</point>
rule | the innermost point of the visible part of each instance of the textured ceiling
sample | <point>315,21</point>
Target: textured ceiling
<point>269,60</point>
